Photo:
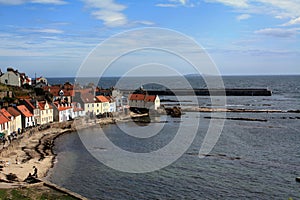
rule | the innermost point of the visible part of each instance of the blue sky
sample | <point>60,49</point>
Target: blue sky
<point>53,37</point>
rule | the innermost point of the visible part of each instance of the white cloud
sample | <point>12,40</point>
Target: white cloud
<point>18,2</point>
<point>175,3</point>
<point>56,2</point>
<point>233,3</point>
<point>52,31</point>
<point>294,21</point>
<point>243,17</point>
<point>280,9</point>
<point>278,32</point>
<point>108,11</point>
<point>166,5</point>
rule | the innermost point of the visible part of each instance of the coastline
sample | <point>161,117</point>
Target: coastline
<point>36,149</point>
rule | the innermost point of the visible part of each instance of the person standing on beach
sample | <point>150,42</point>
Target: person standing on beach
<point>34,172</point>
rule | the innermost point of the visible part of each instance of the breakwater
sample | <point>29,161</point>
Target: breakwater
<point>209,92</point>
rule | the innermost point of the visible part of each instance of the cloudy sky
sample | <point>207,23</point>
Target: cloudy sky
<point>53,37</point>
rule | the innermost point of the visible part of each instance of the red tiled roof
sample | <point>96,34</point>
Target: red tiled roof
<point>24,111</point>
<point>13,111</point>
<point>138,97</point>
<point>150,98</point>
<point>102,98</point>
<point>6,113</point>
<point>3,119</point>
<point>42,105</point>
<point>61,107</point>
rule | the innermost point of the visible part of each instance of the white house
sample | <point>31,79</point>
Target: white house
<point>77,110</point>
<point>151,102</point>
<point>27,117</point>
<point>4,124</point>
<point>62,112</point>
<point>11,127</point>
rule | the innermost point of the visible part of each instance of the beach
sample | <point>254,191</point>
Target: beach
<point>34,150</point>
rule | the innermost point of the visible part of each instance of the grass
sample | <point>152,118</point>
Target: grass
<point>34,193</point>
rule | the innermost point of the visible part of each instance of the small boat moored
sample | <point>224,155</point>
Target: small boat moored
<point>298,179</point>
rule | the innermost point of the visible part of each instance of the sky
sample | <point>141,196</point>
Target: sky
<point>52,38</point>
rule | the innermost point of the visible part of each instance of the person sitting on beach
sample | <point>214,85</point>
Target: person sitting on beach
<point>35,172</point>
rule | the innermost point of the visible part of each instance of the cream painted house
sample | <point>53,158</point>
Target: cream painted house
<point>101,105</point>
<point>43,112</point>
<point>17,123</point>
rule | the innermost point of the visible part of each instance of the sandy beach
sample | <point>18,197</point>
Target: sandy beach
<point>34,149</point>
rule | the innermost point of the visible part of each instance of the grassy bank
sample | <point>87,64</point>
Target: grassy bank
<point>33,193</point>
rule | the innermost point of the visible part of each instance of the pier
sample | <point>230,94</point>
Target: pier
<point>207,92</point>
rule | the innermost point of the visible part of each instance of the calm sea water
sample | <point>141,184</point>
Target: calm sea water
<point>251,160</point>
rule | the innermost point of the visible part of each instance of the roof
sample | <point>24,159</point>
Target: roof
<point>102,99</point>
<point>6,113</point>
<point>24,111</point>
<point>3,119</point>
<point>13,111</point>
<point>138,97</point>
<point>42,104</point>
<point>87,98</point>
<point>29,103</point>
<point>150,98</point>
<point>61,107</point>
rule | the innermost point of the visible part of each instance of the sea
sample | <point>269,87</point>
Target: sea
<point>251,159</point>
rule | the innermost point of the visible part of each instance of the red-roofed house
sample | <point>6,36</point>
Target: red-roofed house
<point>17,124</point>
<point>43,112</point>
<point>62,112</point>
<point>144,101</point>
<point>136,100</point>
<point>4,124</point>
<point>11,120</point>
<point>27,117</point>
<point>152,102</point>
<point>77,110</point>
<point>101,105</point>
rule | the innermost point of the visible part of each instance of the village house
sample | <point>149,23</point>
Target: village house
<point>62,112</point>
<point>87,102</point>
<point>101,105</point>
<point>27,117</point>
<point>144,101</point>
<point>4,125</point>
<point>10,127</point>
<point>17,124</point>
<point>77,110</point>
<point>43,112</point>
<point>14,78</point>
<point>112,104</point>
<point>62,93</point>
